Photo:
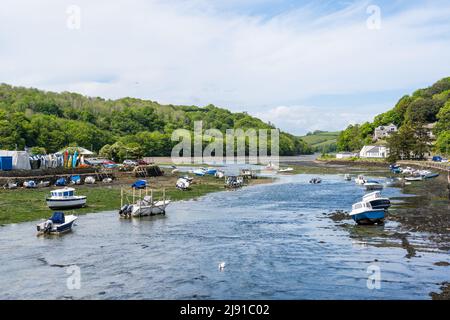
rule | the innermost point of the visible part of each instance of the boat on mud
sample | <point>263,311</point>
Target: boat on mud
<point>363,213</point>
<point>373,185</point>
<point>65,199</point>
<point>58,223</point>
<point>234,182</point>
<point>377,201</point>
<point>143,206</point>
<point>183,183</point>
<point>288,169</point>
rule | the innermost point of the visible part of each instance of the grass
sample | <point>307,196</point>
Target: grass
<point>29,204</point>
<point>321,139</point>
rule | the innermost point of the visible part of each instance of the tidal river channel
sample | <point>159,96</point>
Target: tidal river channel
<point>275,240</point>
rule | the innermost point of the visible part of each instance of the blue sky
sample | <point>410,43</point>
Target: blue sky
<point>303,65</point>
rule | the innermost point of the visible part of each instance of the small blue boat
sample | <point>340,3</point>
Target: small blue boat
<point>211,171</point>
<point>139,184</point>
<point>363,213</point>
<point>61,182</point>
<point>199,172</point>
<point>58,223</point>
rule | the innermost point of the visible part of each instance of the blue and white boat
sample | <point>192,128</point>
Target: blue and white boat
<point>58,223</point>
<point>65,199</point>
<point>363,213</point>
<point>373,185</point>
<point>211,171</point>
<point>199,172</point>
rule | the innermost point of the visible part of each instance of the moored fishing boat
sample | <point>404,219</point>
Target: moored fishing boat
<point>142,207</point>
<point>360,180</point>
<point>373,185</point>
<point>363,213</point>
<point>376,200</point>
<point>65,199</point>
<point>58,223</point>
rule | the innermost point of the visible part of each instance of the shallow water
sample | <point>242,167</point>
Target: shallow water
<point>274,239</point>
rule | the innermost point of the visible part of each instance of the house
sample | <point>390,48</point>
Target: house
<point>382,132</point>
<point>346,155</point>
<point>429,128</point>
<point>379,152</point>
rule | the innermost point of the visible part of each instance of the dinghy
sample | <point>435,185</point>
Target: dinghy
<point>43,184</point>
<point>373,185</point>
<point>363,213</point>
<point>315,181</point>
<point>183,183</point>
<point>360,180</point>
<point>61,182</point>
<point>289,169</point>
<point>58,223</point>
<point>30,184</point>
<point>219,174</point>
<point>89,180</point>
<point>65,199</point>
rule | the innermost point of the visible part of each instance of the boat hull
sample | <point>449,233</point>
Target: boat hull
<point>143,211</point>
<point>369,217</point>
<point>57,228</point>
<point>66,203</point>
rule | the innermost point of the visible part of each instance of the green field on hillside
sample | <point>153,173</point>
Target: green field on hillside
<point>322,141</point>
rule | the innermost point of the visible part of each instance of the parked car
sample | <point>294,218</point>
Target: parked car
<point>142,162</point>
<point>437,159</point>
<point>130,163</point>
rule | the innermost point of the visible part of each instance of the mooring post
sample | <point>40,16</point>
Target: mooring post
<point>448,183</point>
<point>121,197</point>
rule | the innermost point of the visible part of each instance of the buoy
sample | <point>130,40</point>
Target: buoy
<point>221,266</point>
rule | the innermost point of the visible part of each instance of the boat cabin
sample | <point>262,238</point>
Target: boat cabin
<point>62,193</point>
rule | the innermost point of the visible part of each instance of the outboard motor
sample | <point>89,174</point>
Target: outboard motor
<point>123,210</point>
<point>48,226</point>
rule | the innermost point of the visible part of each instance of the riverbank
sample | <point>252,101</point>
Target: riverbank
<point>21,205</point>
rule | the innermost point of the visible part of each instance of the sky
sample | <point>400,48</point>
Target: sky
<point>302,65</point>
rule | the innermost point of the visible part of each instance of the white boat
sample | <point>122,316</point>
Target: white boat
<point>183,183</point>
<point>271,166</point>
<point>360,180</point>
<point>65,199</point>
<point>30,184</point>
<point>373,185</point>
<point>347,177</point>
<point>144,207</point>
<point>43,184</point>
<point>414,178</point>
<point>89,180</point>
<point>57,224</point>
<point>289,169</point>
<point>363,213</point>
<point>376,200</point>
<point>219,174</point>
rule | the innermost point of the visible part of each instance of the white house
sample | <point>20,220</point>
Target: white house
<point>382,132</point>
<point>346,155</point>
<point>379,152</point>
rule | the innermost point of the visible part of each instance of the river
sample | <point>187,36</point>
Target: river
<point>275,240</point>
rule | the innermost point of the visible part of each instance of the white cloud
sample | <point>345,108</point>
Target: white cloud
<point>302,119</point>
<point>189,52</point>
